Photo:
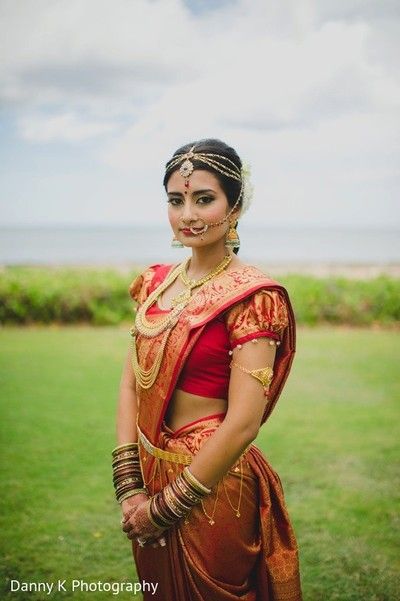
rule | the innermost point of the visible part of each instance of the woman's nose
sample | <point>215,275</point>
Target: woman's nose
<point>187,212</point>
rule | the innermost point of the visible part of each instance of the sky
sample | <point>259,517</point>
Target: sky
<point>96,95</point>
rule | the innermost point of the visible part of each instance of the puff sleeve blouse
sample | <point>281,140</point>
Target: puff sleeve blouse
<point>263,314</point>
<point>207,369</point>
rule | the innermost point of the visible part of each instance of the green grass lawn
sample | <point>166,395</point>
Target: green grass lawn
<point>333,438</point>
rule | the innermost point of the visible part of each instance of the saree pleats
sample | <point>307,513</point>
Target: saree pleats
<point>237,543</point>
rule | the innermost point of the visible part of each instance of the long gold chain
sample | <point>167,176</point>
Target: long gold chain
<point>149,328</point>
<point>146,377</point>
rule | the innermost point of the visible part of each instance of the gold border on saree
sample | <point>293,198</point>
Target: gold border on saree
<point>161,454</point>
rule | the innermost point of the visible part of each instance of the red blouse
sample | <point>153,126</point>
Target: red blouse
<point>206,371</point>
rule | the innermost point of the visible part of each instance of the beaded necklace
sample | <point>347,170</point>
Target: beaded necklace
<point>149,329</point>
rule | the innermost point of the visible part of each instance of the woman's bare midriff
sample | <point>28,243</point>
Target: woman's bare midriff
<point>185,407</point>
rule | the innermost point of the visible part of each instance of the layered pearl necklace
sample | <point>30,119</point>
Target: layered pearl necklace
<point>149,329</point>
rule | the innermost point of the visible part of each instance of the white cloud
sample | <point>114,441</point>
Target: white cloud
<point>306,90</point>
<point>65,127</point>
<point>86,53</point>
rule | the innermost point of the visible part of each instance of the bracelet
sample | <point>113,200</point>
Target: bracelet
<point>127,474</point>
<point>189,476</point>
<point>148,509</point>
<point>128,446</point>
<point>131,493</point>
<point>175,500</point>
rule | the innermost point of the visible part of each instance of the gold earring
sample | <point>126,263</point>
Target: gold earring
<point>176,243</point>
<point>232,239</point>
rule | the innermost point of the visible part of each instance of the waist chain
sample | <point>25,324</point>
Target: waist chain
<point>161,454</point>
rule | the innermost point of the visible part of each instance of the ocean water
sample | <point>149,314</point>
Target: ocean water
<point>145,245</point>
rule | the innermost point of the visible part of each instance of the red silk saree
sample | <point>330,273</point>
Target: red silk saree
<point>238,543</point>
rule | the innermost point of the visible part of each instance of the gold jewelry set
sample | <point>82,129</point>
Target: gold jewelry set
<point>145,327</point>
<point>223,165</point>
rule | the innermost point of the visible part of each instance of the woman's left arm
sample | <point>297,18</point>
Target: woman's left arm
<point>239,428</point>
<point>261,318</point>
<point>246,404</point>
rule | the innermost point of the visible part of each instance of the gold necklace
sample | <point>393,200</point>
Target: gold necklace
<point>146,377</point>
<point>150,328</point>
<point>185,295</point>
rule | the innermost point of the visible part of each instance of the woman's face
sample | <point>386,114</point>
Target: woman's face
<point>203,201</point>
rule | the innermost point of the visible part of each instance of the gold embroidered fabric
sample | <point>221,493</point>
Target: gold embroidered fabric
<point>265,310</point>
<point>243,523</point>
<point>239,542</point>
<point>139,287</point>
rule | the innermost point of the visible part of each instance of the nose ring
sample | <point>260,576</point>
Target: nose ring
<point>199,232</point>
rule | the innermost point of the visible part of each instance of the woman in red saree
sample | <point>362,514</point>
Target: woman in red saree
<point>212,346</point>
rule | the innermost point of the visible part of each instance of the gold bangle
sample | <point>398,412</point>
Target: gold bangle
<point>184,489</point>
<point>123,465</point>
<point>131,493</point>
<point>121,483</point>
<point>193,480</point>
<point>173,503</point>
<point>128,445</point>
<point>163,521</point>
<point>150,516</point>
<point>125,455</point>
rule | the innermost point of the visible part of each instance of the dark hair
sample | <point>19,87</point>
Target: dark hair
<point>230,186</point>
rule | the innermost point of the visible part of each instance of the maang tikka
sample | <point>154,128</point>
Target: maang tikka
<point>187,166</point>
<point>223,165</point>
<point>185,170</point>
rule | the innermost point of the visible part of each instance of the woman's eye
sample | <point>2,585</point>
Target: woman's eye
<point>205,199</point>
<point>174,201</point>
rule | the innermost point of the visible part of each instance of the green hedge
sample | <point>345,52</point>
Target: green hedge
<point>100,297</point>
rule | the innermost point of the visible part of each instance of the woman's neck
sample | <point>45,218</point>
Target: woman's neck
<point>204,259</point>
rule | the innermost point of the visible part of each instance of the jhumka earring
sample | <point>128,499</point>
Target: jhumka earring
<point>176,243</point>
<point>232,239</point>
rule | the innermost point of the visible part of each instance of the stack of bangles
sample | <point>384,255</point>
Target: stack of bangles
<point>175,500</point>
<point>127,476</point>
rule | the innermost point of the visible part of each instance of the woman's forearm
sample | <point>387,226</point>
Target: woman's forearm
<point>126,430</point>
<point>127,404</point>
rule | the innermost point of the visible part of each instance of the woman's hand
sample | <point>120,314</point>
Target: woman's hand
<point>131,502</point>
<point>136,524</point>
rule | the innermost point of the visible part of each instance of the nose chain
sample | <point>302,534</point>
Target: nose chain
<point>199,232</point>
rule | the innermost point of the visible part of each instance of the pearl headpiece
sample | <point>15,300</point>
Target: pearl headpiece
<point>219,163</point>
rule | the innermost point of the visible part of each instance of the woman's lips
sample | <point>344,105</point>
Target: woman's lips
<point>188,232</point>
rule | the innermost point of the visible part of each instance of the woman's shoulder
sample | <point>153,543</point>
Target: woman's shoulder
<point>252,274</point>
<point>264,312</point>
<point>147,280</point>
<point>264,308</point>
